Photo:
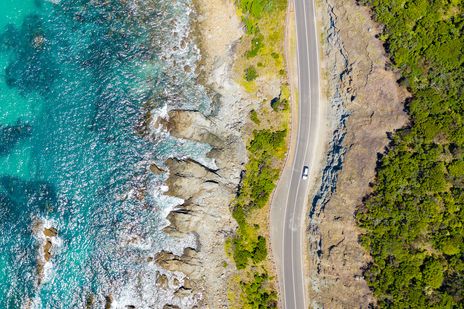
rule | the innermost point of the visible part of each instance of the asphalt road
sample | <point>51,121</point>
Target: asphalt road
<point>288,209</point>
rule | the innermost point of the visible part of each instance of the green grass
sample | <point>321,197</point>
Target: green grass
<point>256,45</point>
<point>414,219</point>
<point>264,23</point>
<point>257,8</point>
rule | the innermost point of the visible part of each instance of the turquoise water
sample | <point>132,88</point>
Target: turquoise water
<point>78,78</point>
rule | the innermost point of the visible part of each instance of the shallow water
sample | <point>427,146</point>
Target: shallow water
<point>78,78</point>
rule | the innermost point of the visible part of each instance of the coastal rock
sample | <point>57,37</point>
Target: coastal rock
<point>47,250</point>
<point>187,263</point>
<point>48,239</point>
<point>108,301</point>
<point>38,41</point>
<point>207,193</point>
<point>183,292</point>
<point>50,232</point>
<point>170,307</point>
<point>162,280</point>
<point>193,125</point>
<point>189,178</point>
<point>155,169</point>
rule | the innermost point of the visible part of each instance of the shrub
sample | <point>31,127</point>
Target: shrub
<point>254,117</point>
<point>250,74</point>
<point>257,294</point>
<point>260,251</point>
<point>278,104</point>
<point>257,184</point>
<point>256,45</point>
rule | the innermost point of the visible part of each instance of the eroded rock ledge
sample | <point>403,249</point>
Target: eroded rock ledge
<point>205,212</point>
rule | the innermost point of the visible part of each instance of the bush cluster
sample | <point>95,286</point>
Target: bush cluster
<point>250,74</point>
<point>414,219</point>
<point>257,294</point>
<point>254,116</point>
<point>264,30</point>
<point>280,104</point>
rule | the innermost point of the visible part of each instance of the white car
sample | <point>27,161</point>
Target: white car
<point>305,172</point>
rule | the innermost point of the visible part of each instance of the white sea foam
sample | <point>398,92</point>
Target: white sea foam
<point>142,292</point>
<point>134,241</point>
<point>57,243</point>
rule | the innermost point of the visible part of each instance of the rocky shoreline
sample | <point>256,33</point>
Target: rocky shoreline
<point>198,276</point>
<point>207,192</point>
<point>365,102</point>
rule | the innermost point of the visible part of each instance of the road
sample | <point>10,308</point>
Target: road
<point>288,209</point>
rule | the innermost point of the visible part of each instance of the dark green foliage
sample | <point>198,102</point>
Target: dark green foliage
<point>414,219</point>
<point>258,296</point>
<point>279,104</point>
<point>257,185</point>
<point>260,251</point>
<point>265,150</point>
<point>250,73</point>
<point>241,256</point>
<point>261,176</point>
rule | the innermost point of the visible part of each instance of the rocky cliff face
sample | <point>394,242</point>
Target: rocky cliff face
<point>365,103</point>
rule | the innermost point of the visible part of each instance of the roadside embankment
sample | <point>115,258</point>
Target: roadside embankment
<point>365,103</point>
<point>261,69</point>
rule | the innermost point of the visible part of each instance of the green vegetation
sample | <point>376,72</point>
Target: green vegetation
<point>248,247</point>
<point>254,117</point>
<point>261,54</point>
<point>254,10</point>
<point>260,174</point>
<point>257,294</point>
<point>414,219</point>
<point>256,187</point>
<point>280,104</point>
<point>256,45</point>
<point>262,47</point>
<point>250,74</point>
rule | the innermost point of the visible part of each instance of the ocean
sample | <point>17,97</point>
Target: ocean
<point>82,83</point>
